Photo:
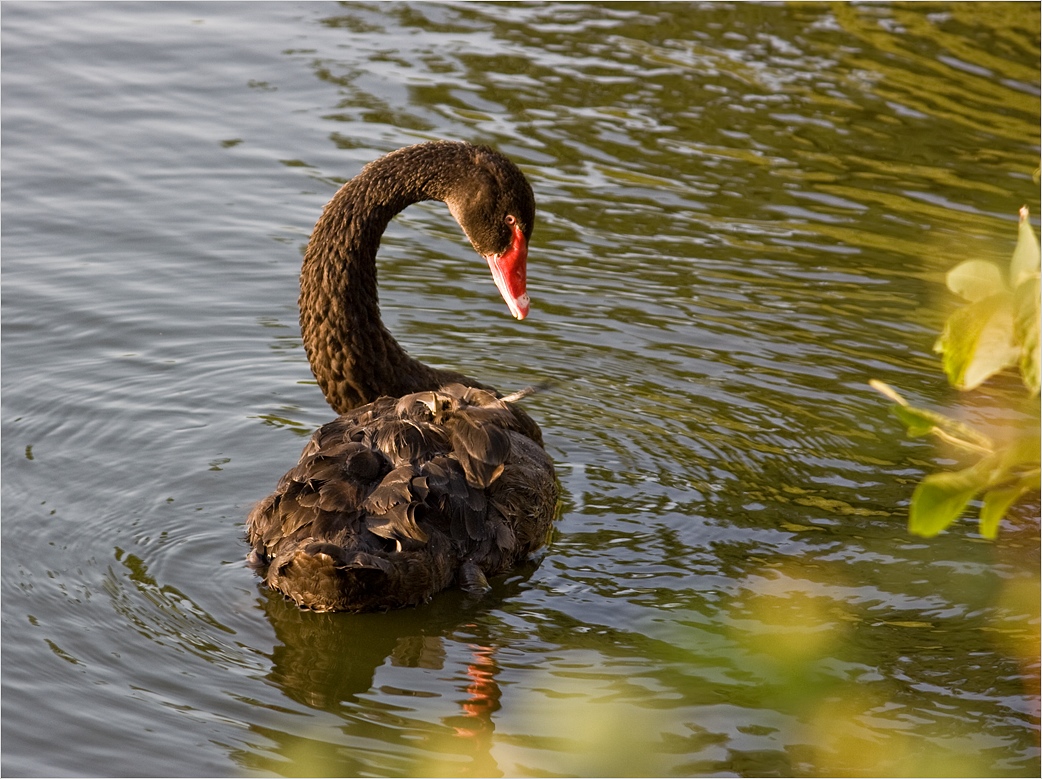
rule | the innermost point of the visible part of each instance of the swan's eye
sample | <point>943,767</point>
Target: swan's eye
<point>511,220</point>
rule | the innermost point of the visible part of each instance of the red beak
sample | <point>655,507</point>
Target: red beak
<point>509,271</point>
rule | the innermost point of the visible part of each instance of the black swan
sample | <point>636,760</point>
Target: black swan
<point>429,478</point>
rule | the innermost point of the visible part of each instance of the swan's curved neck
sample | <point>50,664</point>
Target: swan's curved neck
<point>353,356</point>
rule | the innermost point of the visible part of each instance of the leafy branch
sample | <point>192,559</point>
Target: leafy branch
<point>998,328</point>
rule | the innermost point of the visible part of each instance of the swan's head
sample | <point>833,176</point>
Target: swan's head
<point>494,205</point>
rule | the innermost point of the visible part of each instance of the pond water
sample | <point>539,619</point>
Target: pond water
<point>745,213</point>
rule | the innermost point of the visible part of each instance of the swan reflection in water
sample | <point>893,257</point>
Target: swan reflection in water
<point>357,666</point>
<point>339,677</point>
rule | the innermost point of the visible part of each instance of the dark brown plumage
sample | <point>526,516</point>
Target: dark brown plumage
<point>428,479</point>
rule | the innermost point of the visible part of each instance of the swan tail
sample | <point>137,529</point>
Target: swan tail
<point>325,577</point>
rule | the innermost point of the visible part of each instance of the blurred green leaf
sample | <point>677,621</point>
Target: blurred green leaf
<point>975,280</point>
<point>977,341</point>
<point>997,503</point>
<point>918,423</point>
<point>1026,332</point>
<point>921,421</point>
<point>941,498</point>
<point>1026,260</point>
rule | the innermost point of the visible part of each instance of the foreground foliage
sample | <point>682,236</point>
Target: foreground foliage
<point>997,328</point>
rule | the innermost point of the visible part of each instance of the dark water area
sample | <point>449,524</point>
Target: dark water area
<point>745,213</point>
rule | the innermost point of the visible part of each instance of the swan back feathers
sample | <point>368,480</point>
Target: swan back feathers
<point>400,498</point>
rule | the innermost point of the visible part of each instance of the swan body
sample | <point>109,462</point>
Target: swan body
<point>428,479</point>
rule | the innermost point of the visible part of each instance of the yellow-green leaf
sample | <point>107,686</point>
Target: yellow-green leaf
<point>1026,332</point>
<point>996,504</point>
<point>1026,258</point>
<point>941,498</point>
<point>977,341</point>
<point>975,280</point>
<point>921,421</point>
<point>918,423</point>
